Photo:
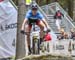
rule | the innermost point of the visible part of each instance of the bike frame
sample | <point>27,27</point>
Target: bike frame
<point>35,33</point>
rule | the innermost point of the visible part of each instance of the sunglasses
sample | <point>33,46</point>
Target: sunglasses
<point>34,9</point>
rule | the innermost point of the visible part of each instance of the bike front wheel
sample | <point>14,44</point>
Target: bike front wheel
<point>36,46</point>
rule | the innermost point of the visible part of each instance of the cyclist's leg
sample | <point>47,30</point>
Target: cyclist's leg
<point>28,29</point>
<point>58,24</point>
<point>41,25</point>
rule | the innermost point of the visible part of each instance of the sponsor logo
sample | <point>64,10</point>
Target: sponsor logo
<point>8,26</point>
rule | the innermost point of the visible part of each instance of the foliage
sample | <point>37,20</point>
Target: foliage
<point>16,2</point>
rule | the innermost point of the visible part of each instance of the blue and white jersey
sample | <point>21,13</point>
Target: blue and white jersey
<point>38,15</point>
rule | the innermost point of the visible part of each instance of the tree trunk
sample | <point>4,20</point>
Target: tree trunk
<point>70,8</point>
<point>47,1</point>
<point>74,10</point>
<point>20,43</point>
<point>38,1</point>
<point>15,1</point>
<point>53,1</point>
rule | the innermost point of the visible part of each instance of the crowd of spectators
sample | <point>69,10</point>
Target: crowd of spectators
<point>66,35</point>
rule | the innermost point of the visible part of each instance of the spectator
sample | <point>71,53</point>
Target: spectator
<point>66,36</point>
<point>61,36</point>
<point>47,36</point>
<point>72,34</point>
<point>58,17</point>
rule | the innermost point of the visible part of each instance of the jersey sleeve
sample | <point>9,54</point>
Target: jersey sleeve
<point>27,15</point>
<point>41,16</point>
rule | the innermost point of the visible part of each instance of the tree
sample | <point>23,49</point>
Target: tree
<point>47,1</point>
<point>15,1</point>
<point>70,8</point>
<point>74,10</point>
<point>39,2</point>
<point>20,43</point>
<point>54,0</point>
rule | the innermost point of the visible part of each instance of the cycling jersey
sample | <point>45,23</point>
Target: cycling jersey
<point>38,16</point>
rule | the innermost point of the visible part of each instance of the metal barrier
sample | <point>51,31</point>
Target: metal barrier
<point>50,9</point>
<point>61,50</point>
<point>13,4</point>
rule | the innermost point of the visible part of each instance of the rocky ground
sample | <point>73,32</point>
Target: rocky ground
<point>47,57</point>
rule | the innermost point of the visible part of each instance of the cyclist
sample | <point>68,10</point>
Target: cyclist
<point>58,17</point>
<point>34,16</point>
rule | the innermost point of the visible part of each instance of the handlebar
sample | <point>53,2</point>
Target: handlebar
<point>23,32</point>
<point>26,33</point>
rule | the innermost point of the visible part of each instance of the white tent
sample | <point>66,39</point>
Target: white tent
<point>8,20</point>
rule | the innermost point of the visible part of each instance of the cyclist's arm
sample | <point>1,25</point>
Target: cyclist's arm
<point>43,19</point>
<point>45,22</point>
<point>24,22</point>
